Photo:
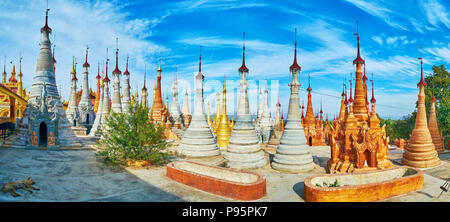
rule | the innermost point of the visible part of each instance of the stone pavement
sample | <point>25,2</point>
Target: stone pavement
<point>80,175</point>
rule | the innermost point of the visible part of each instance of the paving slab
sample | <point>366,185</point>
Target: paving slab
<point>81,175</point>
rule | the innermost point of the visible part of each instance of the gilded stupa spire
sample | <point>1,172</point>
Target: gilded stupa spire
<point>13,74</point>
<point>373,100</point>
<point>358,59</point>
<point>223,128</point>
<point>74,69</point>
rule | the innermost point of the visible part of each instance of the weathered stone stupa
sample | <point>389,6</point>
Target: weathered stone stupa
<point>186,113</point>
<point>87,114</point>
<point>420,151</point>
<point>106,97</point>
<point>244,150</point>
<point>144,96</point>
<point>97,93</point>
<point>277,130</point>
<point>176,116</point>
<point>264,125</point>
<point>126,89</point>
<point>44,122</point>
<point>198,140</point>
<point>116,105</point>
<point>99,119</point>
<point>72,112</point>
<point>436,134</point>
<point>293,153</point>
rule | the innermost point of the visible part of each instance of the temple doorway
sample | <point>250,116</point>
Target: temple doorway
<point>367,158</point>
<point>310,141</point>
<point>87,118</point>
<point>43,134</point>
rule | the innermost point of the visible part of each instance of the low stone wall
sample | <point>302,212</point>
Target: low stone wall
<point>363,187</point>
<point>230,183</point>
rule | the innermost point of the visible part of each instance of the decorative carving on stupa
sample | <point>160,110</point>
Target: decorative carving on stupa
<point>436,134</point>
<point>293,154</point>
<point>44,112</point>
<point>244,150</point>
<point>357,141</point>
<point>116,105</point>
<point>126,89</point>
<point>420,151</point>
<point>85,107</point>
<point>313,128</point>
<point>223,131</point>
<point>198,140</point>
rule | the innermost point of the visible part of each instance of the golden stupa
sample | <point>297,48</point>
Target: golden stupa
<point>223,131</point>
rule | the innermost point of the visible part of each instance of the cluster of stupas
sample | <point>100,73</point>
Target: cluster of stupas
<point>356,140</point>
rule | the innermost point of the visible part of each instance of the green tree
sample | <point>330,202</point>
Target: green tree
<point>131,136</point>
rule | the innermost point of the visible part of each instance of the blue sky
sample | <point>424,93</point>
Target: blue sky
<point>391,34</point>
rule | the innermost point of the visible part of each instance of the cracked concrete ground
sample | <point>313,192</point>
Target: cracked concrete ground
<point>80,175</point>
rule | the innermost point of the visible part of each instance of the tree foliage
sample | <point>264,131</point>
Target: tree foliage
<point>402,128</point>
<point>130,136</point>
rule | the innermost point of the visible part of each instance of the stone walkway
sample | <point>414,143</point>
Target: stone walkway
<point>80,175</point>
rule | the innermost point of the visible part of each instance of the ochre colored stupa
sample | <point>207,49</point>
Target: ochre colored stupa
<point>420,151</point>
<point>357,141</point>
<point>158,113</point>
<point>436,134</point>
<point>313,128</point>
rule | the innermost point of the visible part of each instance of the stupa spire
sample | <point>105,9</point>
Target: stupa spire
<point>117,58</point>
<point>358,59</point>
<point>243,68</point>
<point>200,75</point>
<point>126,69</point>
<point>373,100</point>
<point>433,99</point>
<point>46,28</point>
<point>294,65</point>
<point>86,64</point>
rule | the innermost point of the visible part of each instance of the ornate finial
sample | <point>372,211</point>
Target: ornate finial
<point>73,64</point>
<point>98,70</point>
<point>295,66</point>
<point>421,69</point>
<point>373,100</point>
<point>309,83</point>
<point>433,99</point>
<point>159,66</point>
<point>243,68</point>
<point>86,64</point>
<point>20,66</point>
<point>358,57</point>
<point>200,61</point>
<point>126,69</point>
<point>117,71</point>
<point>106,79</point>
<point>351,97</point>
<point>145,76</point>
<point>46,27</point>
